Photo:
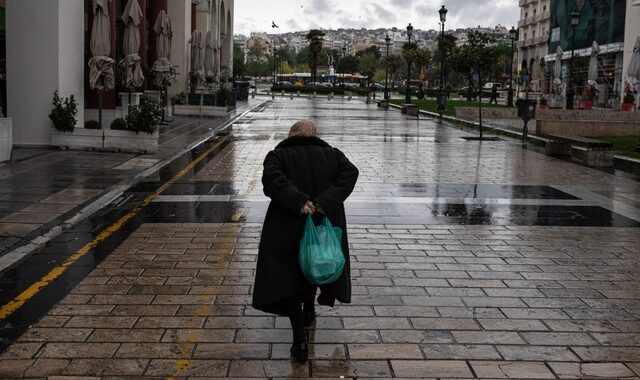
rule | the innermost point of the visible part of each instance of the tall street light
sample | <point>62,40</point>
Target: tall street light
<point>441,96</point>
<point>274,66</point>
<point>387,42</point>
<point>513,35</point>
<point>407,99</point>
<point>575,19</point>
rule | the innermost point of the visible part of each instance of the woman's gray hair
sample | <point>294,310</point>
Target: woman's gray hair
<point>304,128</point>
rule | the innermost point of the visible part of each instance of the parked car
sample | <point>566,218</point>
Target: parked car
<point>351,85</point>
<point>252,83</point>
<point>376,86</point>
<point>284,83</point>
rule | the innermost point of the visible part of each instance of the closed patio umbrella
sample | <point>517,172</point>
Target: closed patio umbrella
<point>210,55</point>
<point>557,65</point>
<point>197,56</point>
<point>593,62</point>
<point>101,65</point>
<point>131,17</point>
<point>101,76</point>
<point>162,65</point>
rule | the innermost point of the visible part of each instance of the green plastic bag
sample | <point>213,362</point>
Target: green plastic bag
<point>320,256</point>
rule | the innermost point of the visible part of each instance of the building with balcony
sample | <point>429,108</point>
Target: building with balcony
<point>533,36</point>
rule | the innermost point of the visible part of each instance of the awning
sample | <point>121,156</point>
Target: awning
<point>586,52</point>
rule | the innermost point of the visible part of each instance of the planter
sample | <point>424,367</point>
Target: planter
<point>6,139</point>
<point>127,141</point>
<point>586,104</point>
<point>211,111</point>
<point>628,107</point>
<point>80,138</point>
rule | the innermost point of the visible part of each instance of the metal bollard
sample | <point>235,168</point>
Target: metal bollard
<point>298,93</point>
<point>291,96</point>
<point>349,98</point>
<point>282,92</point>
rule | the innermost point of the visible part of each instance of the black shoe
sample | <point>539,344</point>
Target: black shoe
<point>300,351</point>
<point>309,318</point>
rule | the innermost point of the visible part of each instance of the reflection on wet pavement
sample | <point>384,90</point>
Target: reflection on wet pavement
<point>469,260</point>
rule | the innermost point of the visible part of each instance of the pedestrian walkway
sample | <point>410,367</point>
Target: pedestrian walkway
<point>469,260</point>
<point>42,188</point>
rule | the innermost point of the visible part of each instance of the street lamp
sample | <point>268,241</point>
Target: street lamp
<point>513,35</point>
<point>274,65</point>
<point>441,96</point>
<point>408,85</point>
<point>387,42</point>
<point>344,54</point>
<point>575,19</point>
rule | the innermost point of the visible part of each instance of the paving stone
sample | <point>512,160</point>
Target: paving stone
<point>125,335</point>
<point>231,351</point>
<point>512,324</point>
<point>591,370</point>
<point>607,354</point>
<point>511,370</point>
<point>558,339</point>
<point>267,369</point>
<point>487,337</point>
<point>537,353</point>
<point>460,351</point>
<point>78,350</point>
<point>47,367</point>
<point>435,368</point>
<point>316,351</point>
<point>350,368</point>
<point>384,351</point>
<point>170,368</point>
<point>10,367</point>
<point>39,334</point>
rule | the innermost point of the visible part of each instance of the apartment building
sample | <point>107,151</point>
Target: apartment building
<point>533,37</point>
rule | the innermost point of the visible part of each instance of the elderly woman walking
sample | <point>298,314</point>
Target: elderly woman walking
<point>303,176</point>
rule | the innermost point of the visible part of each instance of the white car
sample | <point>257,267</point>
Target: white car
<point>489,85</point>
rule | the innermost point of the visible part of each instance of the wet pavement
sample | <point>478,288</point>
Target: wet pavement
<point>469,260</point>
<point>41,188</point>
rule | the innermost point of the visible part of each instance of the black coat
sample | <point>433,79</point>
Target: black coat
<point>297,170</point>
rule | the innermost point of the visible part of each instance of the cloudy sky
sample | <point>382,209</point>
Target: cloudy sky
<point>292,15</point>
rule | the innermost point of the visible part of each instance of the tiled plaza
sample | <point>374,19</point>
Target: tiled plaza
<point>469,260</point>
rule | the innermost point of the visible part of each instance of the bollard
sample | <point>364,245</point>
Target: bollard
<point>314,94</point>
<point>282,92</point>
<point>291,96</point>
<point>253,95</point>
<point>273,96</point>
<point>349,98</point>
<point>298,94</point>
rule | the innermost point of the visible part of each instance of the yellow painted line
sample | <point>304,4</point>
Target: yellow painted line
<point>205,309</point>
<point>16,303</point>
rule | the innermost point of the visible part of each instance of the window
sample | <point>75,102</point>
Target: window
<point>533,35</point>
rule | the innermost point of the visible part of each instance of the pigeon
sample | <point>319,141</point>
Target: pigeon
<point>273,25</point>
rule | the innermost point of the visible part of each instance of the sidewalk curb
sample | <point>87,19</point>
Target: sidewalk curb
<point>109,195</point>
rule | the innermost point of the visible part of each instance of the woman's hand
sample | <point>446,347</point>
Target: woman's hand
<point>308,209</point>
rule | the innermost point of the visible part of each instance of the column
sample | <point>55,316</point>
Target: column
<point>180,13</point>
<point>227,43</point>
<point>41,60</point>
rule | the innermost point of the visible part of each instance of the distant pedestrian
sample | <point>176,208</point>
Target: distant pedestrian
<point>494,94</point>
<point>303,176</point>
<point>420,92</point>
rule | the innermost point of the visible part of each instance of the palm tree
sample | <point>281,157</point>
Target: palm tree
<point>314,38</point>
<point>422,59</point>
<point>395,64</point>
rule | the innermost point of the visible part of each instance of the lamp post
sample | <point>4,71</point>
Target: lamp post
<point>274,66</point>
<point>575,19</point>
<point>441,96</point>
<point>408,85</point>
<point>387,42</point>
<point>513,35</point>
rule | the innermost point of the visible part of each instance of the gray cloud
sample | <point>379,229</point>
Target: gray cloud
<point>304,14</point>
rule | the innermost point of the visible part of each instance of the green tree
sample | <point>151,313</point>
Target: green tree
<point>303,56</point>
<point>287,54</point>
<point>348,64</point>
<point>475,57</point>
<point>368,65</point>
<point>238,62</point>
<point>314,38</point>
<point>422,60</point>
<point>409,53</point>
<point>371,49</point>
<point>396,63</point>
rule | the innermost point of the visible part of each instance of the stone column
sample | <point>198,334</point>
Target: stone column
<point>227,42</point>
<point>45,53</point>
<point>180,13</point>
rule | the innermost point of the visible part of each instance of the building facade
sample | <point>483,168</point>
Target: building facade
<point>533,36</point>
<point>47,50</point>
